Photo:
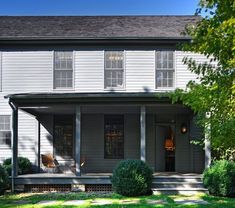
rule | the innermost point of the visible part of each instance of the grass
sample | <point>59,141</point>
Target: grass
<point>31,200</point>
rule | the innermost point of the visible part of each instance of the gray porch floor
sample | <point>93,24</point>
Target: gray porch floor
<point>100,175</point>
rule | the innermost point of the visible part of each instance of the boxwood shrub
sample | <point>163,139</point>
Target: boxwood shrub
<point>4,181</point>
<point>24,165</point>
<point>132,178</point>
<point>220,178</point>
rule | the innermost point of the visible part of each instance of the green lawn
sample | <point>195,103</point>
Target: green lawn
<point>31,200</point>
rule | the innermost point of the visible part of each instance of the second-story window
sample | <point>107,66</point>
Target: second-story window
<point>165,69</point>
<point>63,70</point>
<point>114,69</point>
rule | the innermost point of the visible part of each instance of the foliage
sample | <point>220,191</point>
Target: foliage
<point>132,178</point>
<point>4,181</point>
<point>24,165</point>
<point>213,36</point>
<point>220,178</point>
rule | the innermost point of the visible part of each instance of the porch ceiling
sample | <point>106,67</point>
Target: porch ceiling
<point>106,109</point>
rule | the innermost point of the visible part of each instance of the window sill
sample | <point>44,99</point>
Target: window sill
<point>114,89</point>
<point>63,89</point>
<point>165,89</point>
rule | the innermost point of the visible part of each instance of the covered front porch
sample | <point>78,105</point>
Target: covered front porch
<point>88,134</point>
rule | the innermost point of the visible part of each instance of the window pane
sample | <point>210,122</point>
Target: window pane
<point>114,136</point>
<point>114,68</point>
<point>170,82</point>
<point>63,60</point>
<point>63,79</point>
<point>164,69</point>
<point>164,78</point>
<point>164,58</point>
<point>164,83</point>
<point>5,130</point>
<point>63,71</point>
<point>113,60</point>
<point>170,60</point>
<point>63,136</point>
<point>113,78</point>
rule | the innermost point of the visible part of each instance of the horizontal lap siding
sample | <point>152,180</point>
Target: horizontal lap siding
<point>27,71</point>
<point>0,71</point>
<point>89,71</point>
<point>140,68</point>
<point>183,74</point>
<point>46,134</point>
<point>27,136</point>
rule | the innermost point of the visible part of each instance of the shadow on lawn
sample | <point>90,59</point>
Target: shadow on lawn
<point>33,198</point>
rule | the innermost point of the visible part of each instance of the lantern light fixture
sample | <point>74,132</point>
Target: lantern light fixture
<point>183,128</point>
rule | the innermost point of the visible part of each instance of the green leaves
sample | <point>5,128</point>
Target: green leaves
<point>213,36</point>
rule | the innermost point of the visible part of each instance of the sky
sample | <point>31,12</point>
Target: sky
<point>98,7</point>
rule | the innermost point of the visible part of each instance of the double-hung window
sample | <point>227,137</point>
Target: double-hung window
<point>5,130</point>
<point>63,70</point>
<point>114,70</point>
<point>165,71</point>
<point>64,136</point>
<point>113,136</point>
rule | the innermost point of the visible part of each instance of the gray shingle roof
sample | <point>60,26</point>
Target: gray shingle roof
<point>93,27</point>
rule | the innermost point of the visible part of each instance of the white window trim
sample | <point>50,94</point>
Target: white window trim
<point>160,89</point>
<point>53,75</point>
<point>123,88</point>
<point>5,146</point>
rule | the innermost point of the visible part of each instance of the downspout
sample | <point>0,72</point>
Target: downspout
<point>14,108</point>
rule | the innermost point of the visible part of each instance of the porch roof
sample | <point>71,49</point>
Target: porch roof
<point>86,98</point>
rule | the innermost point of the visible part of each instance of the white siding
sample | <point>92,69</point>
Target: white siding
<point>89,71</point>
<point>140,71</point>
<point>46,134</point>
<point>28,71</point>
<point>0,71</point>
<point>27,136</point>
<point>32,71</point>
<point>183,74</point>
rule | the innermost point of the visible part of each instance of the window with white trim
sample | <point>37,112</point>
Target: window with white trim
<point>5,130</point>
<point>114,69</point>
<point>63,69</point>
<point>165,70</point>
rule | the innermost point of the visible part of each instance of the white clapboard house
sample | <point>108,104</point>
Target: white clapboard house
<point>89,91</point>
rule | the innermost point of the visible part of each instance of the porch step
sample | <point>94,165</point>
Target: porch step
<point>177,179</point>
<point>178,184</point>
<point>185,191</point>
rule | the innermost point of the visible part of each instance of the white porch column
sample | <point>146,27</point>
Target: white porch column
<point>207,143</point>
<point>143,133</point>
<point>78,140</point>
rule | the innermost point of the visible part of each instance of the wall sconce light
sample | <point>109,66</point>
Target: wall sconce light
<point>183,128</point>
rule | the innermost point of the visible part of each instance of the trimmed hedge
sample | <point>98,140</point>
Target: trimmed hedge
<point>4,181</point>
<point>220,178</point>
<point>24,165</point>
<point>132,178</point>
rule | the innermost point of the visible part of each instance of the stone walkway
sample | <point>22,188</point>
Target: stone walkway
<point>102,202</point>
